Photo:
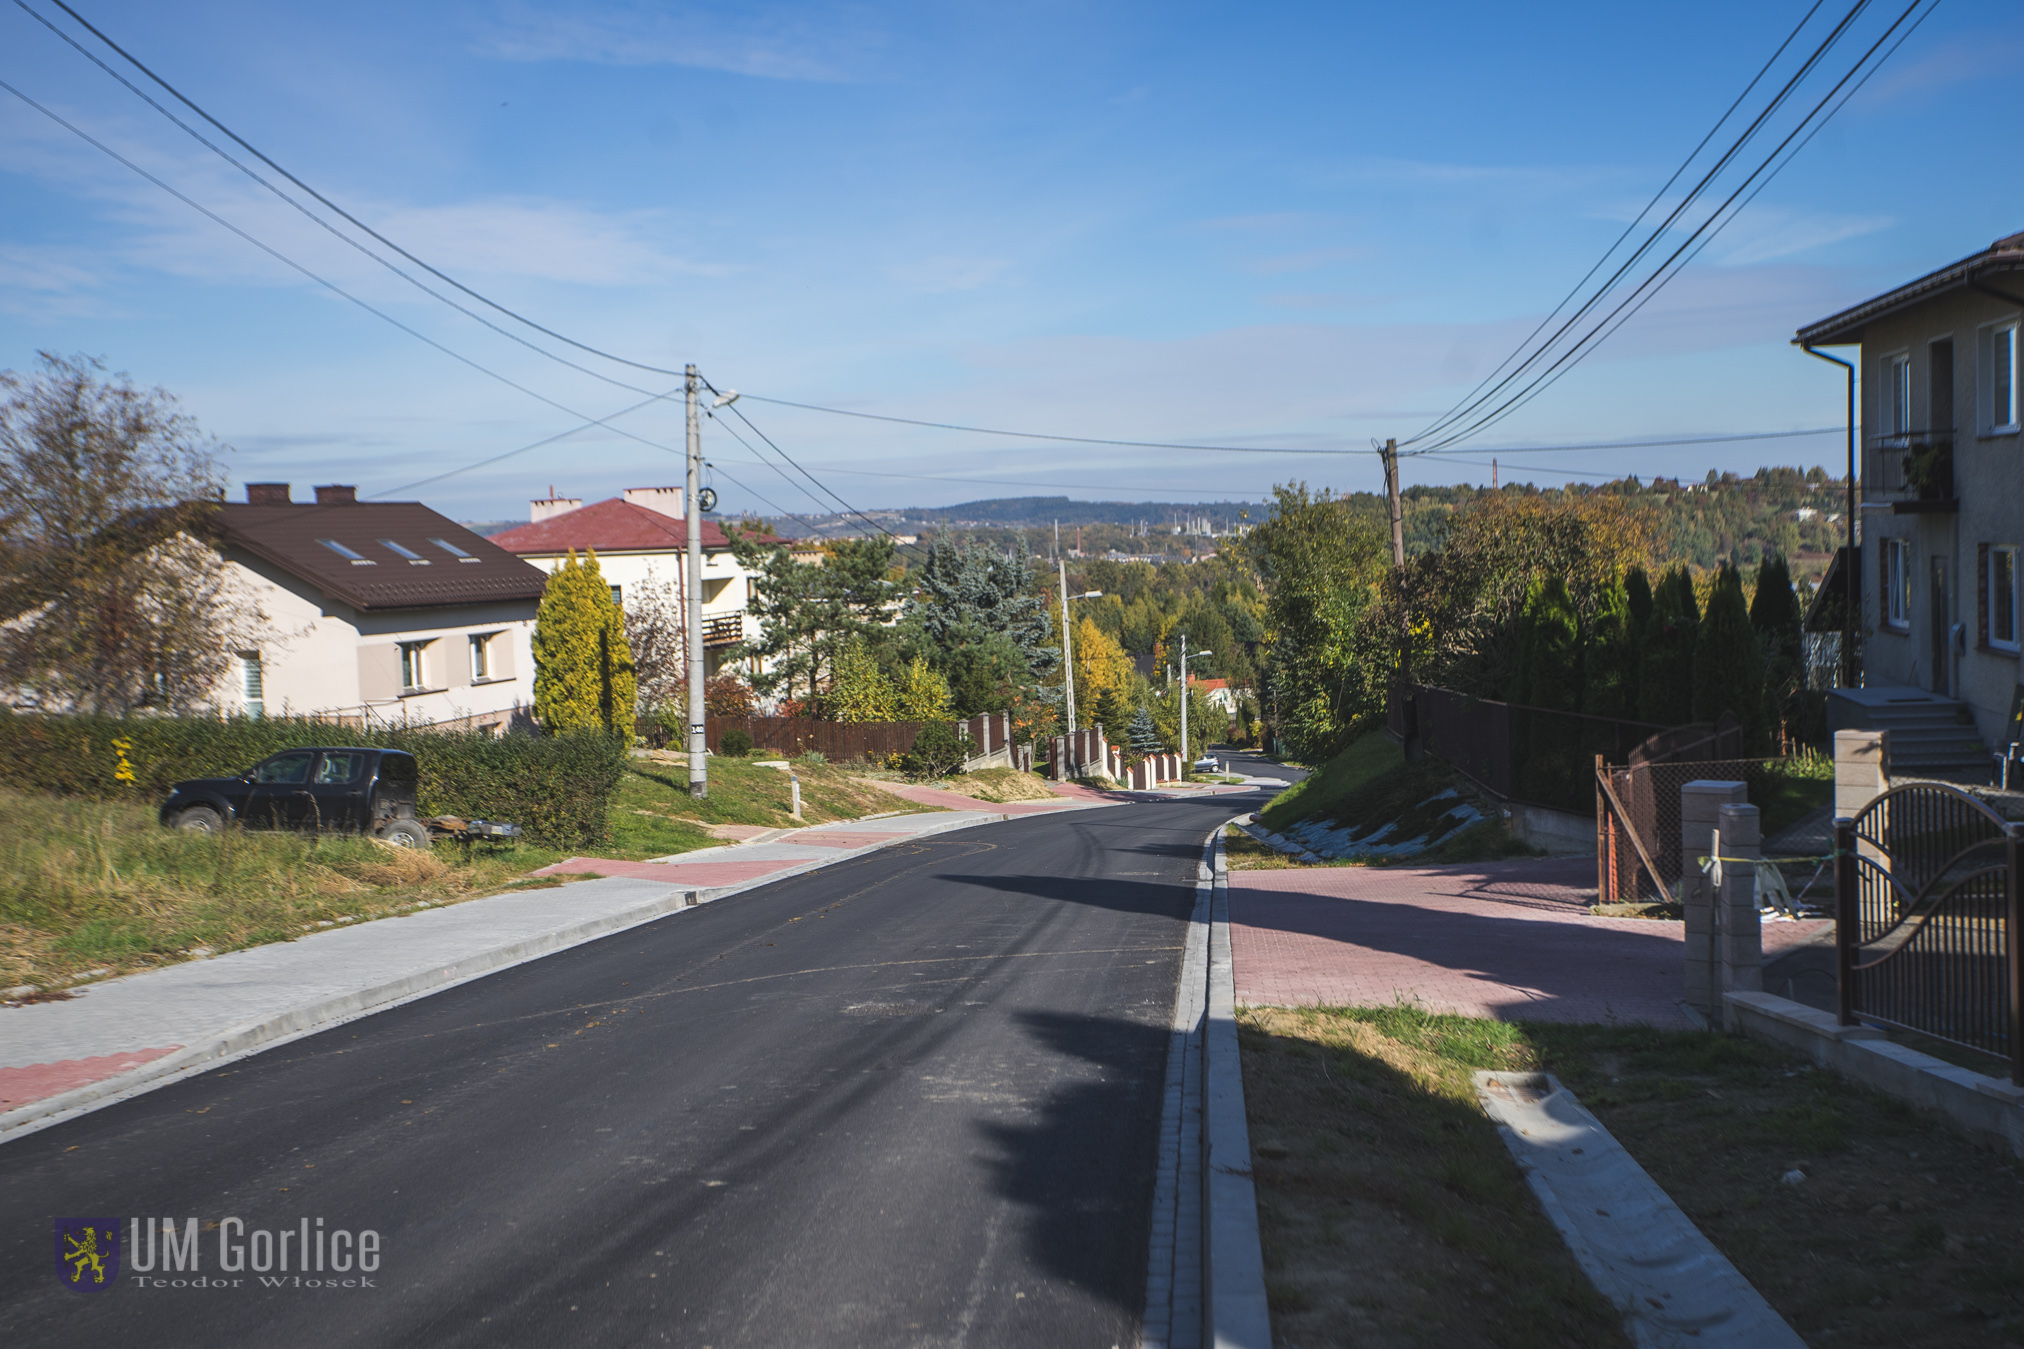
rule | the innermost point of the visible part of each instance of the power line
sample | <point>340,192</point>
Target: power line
<point>316,219</point>
<point>1694,242</point>
<point>243,144</point>
<point>1628,229</point>
<point>545,440</point>
<point>1658,232</point>
<point>329,285</point>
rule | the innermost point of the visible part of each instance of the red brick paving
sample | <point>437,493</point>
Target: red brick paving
<point>1500,939</point>
<point>37,1081</point>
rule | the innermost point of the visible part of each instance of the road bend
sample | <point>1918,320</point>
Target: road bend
<point>910,1099</point>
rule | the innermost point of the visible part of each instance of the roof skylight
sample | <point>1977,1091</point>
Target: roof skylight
<point>414,558</point>
<point>453,550</point>
<point>356,559</point>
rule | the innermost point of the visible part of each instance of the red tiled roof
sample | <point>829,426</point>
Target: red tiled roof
<point>613,526</point>
<point>1210,685</point>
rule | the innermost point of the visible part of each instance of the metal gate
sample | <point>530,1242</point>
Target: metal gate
<point>1926,917</point>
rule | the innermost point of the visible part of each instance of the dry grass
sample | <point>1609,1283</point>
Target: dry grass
<point>998,785</point>
<point>1391,1212</point>
<point>88,886</point>
<point>1904,1231</point>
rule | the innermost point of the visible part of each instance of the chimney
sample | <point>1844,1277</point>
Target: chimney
<point>267,494</point>
<point>335,495</point>
<point>669,501</point>
<point>548,509</point>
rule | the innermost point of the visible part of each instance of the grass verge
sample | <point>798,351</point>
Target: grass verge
<point>1484,841</point>
<point>93,885</point>
<point>653,814</point>
<point>1395,1201</point>
<point>1368,757</point>
<point>1390,1211</point>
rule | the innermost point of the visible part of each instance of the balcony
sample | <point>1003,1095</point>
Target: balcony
<point>724,629</point>
<point>1918,473</point>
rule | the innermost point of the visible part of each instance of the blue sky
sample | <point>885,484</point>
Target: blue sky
<point>1295,226</point>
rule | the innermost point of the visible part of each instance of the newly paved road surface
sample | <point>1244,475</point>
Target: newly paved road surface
<point>907,1100</point>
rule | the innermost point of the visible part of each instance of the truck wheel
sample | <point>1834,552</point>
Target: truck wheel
<point>405,833</point>
<point>200,820</point>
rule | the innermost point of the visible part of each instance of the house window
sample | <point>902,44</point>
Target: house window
<point>618,595</point>
<point>481,661</point>
<point>1897,582</point>
<point>2001,580</point>
<point>1997,360</point>
<point>251,685</point>
<point>414,667</point>
<point>453,550</point>
<point>1897,395</point>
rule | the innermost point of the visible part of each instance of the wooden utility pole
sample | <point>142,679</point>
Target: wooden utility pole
<point>1401,676</point>
<point>1067,655</point>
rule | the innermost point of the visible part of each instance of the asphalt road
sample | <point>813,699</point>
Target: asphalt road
<point>906,1100</point>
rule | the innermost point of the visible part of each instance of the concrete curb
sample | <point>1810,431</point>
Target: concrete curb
<point>1235,1313</point>
<point>1671,1285</point>
<point>312,1017</point>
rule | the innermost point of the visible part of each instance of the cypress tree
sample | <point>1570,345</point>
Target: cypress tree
<point>1728,671</point>
<point>1550,669</point>
<point>1609,657</point>
<point>583,670</point>
<point>1637,590</point>
<point>1666,664</point>
<point>858,689</point>
<point>1776,619</point>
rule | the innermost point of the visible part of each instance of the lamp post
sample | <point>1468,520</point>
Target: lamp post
<point>1067,654</point>
<point>1187,753</point>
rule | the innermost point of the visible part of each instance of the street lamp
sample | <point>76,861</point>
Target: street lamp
<point>1067,660</point>
<point>1187,753</point>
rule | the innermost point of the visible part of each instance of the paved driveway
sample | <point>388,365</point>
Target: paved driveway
<point>1499,939</point>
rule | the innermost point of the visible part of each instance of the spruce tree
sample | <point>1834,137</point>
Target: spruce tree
<point>1666,665</point>
<point>1728,672</point>
<point>583,671</point>
<point>1143,736</point>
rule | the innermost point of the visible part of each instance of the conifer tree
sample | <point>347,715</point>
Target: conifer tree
<point>1637,591</point>
<point>1550,663</point>
<point>1609,658</point>
<point>1666,665</point>
<point>1775,618</point>
<point>858,690</point>
<point>922,693</point>
<point>1728,672</point>
<point>1143,737</point>
<point>583,670</point>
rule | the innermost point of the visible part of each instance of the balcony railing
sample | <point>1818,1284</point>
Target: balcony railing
<point>1917,475</point>
<point>724,629</point>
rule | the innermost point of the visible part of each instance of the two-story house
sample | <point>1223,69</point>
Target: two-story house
<point>642,539</point>
<point>1942,509</point>
<point>377,612</point>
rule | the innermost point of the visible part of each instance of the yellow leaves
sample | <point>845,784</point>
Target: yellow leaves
<point>1100,664</point>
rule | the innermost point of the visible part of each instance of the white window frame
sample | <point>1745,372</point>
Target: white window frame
<point>1991,420</point>
<point>481,657</point>
<point>414,666</point>
<point>253,683</point>
<point>1897,395</point>
<point>2007,552</point>
<point>1897,589</point>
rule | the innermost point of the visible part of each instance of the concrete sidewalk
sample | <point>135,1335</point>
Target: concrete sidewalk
<point>1509,939</point>
<point>129,1034</point>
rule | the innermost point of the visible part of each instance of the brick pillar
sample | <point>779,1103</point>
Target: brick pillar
<point>1700,804</point>
<point>1739,944</point>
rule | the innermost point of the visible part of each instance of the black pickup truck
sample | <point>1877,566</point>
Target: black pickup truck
<point>343,787</point>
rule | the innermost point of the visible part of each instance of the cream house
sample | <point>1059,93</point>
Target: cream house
<point>641,539</point>
<point>377,612</point>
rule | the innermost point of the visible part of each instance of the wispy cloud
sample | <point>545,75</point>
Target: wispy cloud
<point>1960,60</point>
<point>1305,261</point>
<point>1325,300</point>
<point>830,44</point>
<point>1768,234</point>
<point>939,275</point>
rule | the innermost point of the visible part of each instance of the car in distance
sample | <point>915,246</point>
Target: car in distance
<point>341,787</point>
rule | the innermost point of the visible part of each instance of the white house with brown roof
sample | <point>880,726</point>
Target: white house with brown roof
<point>641,539</point>
<point>377,611</point>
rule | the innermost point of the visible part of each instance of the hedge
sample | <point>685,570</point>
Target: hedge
<point>556,788</point>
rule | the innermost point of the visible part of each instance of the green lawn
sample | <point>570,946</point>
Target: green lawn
<point>1369,757</point>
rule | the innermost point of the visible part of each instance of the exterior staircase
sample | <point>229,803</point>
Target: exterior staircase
<point>1931,736</point>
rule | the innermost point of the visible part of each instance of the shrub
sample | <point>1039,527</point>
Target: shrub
<point>938,751</point>
<point>735,743</point>
<point>556,788</point>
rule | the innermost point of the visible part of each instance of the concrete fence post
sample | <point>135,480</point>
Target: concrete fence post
<point>1738,928</point>
<point>1700,804</point>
